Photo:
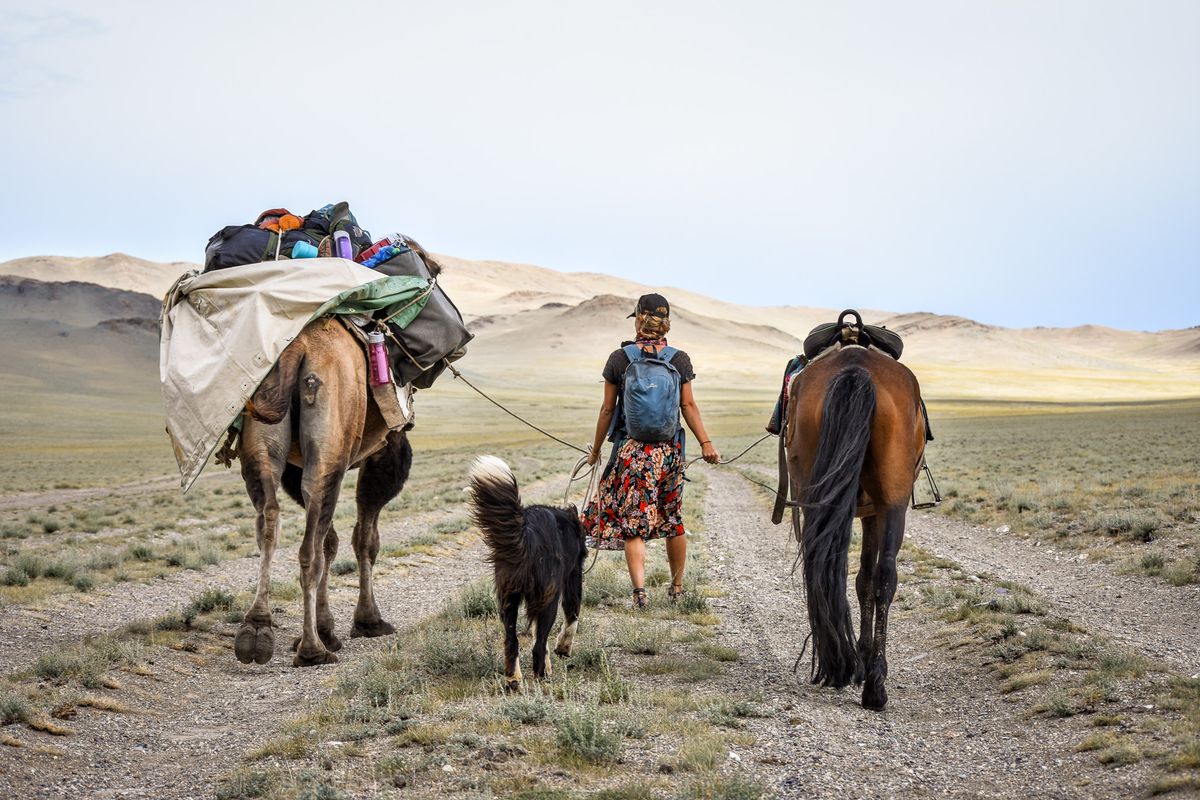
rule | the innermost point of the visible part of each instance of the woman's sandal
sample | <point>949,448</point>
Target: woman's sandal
<point>674,594</point>
<point>640,601</point>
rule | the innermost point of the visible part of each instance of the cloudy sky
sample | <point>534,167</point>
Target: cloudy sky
<point>1020,163</point>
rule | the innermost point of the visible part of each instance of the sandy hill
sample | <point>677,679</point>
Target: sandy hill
<point>116,271</point>
<point>538,327</point>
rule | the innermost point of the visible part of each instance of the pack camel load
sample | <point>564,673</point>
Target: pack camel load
<point>306,360</point>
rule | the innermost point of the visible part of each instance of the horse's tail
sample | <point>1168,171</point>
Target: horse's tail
<point>273,397</point>
<point>496,510</point>
<point>829,503</point>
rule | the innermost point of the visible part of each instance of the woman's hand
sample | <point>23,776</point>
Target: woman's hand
<point>710,453</point>
<point>593,455</point>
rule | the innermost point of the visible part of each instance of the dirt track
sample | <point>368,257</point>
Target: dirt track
<point>948,732</point>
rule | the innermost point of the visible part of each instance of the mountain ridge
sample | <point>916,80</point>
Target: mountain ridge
<point>533,322</point>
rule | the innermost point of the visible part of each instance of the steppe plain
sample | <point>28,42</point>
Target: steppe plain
<point>1043,639</point>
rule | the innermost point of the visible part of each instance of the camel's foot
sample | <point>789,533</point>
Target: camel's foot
<point>328,638</point>
<point>371,629</point>
<point>313,658</point>
<point>255,642</point>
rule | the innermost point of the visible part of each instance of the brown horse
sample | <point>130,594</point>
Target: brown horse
<point>310,421</point>
<point>854,442</point>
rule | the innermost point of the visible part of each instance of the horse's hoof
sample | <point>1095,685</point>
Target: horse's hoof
<point>563,651</point>
<point>254,643</point>
<point>315,659</point>
<point>371,629</point>
<point>328,638</point>
<point>874,698</point>
<point>512,685</point>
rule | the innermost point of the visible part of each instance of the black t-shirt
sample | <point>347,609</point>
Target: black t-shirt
<point>614,368</point>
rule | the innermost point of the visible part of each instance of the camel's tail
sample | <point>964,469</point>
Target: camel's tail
<point>273,397</point>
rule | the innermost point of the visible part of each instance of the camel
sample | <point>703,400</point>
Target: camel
<point>310,421</point>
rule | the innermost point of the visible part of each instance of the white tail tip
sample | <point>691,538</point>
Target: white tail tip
<point>489,469</point>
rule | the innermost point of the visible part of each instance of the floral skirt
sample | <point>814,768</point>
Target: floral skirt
<point>642,496</point>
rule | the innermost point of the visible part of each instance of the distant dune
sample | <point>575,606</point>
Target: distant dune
<point>536,326</point>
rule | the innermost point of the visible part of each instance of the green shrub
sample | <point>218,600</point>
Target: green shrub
<point>141,552</point>
<point>14,708</point>
<point>15,576</point>
<point>581,734</point>
<point>526,710</point>
<point>84,581</point>
<point>344,567</point>
<point>31,564</point>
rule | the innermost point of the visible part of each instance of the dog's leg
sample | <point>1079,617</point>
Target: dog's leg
<point>541,627</point>
<point>572,599</point>
<point>512,658</point>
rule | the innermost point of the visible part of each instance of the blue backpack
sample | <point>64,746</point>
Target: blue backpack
<point>650,399</point>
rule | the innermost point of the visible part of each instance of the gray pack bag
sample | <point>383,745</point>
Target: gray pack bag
<point>436,334</point>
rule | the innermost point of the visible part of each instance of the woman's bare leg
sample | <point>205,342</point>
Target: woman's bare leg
<point>635,559</point>
<point>677,558</point>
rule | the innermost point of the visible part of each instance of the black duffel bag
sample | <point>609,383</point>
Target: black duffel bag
<point>436,334</point>
<point>238,245</point>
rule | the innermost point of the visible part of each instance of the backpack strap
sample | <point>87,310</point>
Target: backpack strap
<point>667,353</point>
<point>633,352</point>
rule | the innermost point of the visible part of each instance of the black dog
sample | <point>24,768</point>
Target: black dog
<point>538,554</point>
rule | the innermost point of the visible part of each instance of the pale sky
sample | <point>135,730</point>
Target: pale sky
<point>1019,163</point>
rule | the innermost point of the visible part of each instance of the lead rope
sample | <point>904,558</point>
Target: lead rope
<point>515,416</point>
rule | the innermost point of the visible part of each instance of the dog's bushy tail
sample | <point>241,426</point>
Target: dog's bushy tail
<point>496,509</point>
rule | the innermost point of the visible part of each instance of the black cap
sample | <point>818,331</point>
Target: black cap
<point>654,304</point>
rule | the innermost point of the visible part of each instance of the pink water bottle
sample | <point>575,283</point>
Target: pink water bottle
<point>380,373</point>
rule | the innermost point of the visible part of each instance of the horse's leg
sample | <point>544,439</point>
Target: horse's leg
<point>866,594</point>
<point>380,479</point>
<point>884,584</point>
<point>541,632</point>
<point>263,458</point>
<point>572,598</point>
<point>512,659</point>
<point>320,487</point>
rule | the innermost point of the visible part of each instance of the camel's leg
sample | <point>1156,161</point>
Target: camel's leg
<point>510,608</point>
<point>292,480</point>
<point>866,594</point>
<point>572,598</point>
<point>884,586</point>
<point>380,479</point>
<point>320,489</point>
<point>541,632</point>
<point>264,453</point>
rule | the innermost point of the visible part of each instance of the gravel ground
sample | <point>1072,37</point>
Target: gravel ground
<point>947,731</point>
<point>200,712</point>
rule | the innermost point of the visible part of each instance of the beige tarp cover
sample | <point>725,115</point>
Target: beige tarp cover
<point>223,331</point>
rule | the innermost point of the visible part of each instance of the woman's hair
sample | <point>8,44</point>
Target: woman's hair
<point>652,326</point>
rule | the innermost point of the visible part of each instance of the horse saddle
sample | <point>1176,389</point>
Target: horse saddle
<point>826,335</point>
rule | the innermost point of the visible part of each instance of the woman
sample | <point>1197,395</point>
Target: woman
<point>641,491</point>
